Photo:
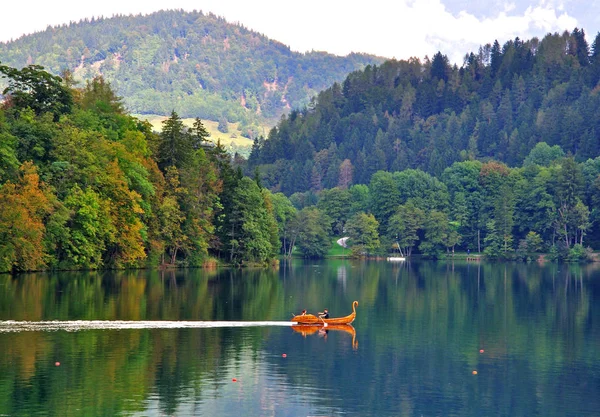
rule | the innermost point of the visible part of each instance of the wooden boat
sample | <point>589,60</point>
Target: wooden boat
<point>308,330</point>
<point>317,321</point>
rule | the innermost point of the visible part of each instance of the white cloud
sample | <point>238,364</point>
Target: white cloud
<point>399,28</point>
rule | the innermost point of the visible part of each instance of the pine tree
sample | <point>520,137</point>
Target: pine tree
<point>175,146</point>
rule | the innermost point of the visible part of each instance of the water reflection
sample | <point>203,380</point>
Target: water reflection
<point>531,332</point>
<point>308,330</point>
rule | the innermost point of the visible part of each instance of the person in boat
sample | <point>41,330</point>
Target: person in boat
<point>324,314</point>
<point>303,312</point>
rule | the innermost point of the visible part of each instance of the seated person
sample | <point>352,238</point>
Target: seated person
<point>303,312</point>
<point>324,314</point>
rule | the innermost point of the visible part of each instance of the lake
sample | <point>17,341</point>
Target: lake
<point>430,339</point>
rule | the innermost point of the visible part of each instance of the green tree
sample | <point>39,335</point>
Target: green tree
<point>493,241</point>
<point>336,203</point>
<point>535,208</point>
<point>9,164</point>
<point>172,217</point>
<point>581,219</point>
<point>504,215</point>
<point>362,229</point>
<point>543,154</point>
<point>99,96</point>
<point>466,195</point>
<point>497,202</point>
<point>203,185</point>
<point>452,238</point>
<point>224,212</point>
<point>271,223</point>
<point>440,67</point>
<point>90,229</point>
<point>404,227</point>
<point>34,88</point>
<point>311,232</point>
<point>199,134</point>
<point>175,146</point>
<point>384,197</point>
<point>359,198</point>
<point>426,191</point>
<point>436,229</point>
<point>568,192</point>
<point>531,244</point>
<point>284,212</point>
<point>252,226</point>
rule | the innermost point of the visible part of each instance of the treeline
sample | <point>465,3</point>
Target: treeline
<point>84,185</point>
<point>550,204</point>
<point>195,63</point>
<point>428,114</point>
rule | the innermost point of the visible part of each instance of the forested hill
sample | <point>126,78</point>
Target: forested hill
<point>498,104</point>
<point>196,64</point>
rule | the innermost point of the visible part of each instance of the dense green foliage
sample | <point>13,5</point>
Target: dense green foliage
<point>427,115</point>
<point>496,156</point>
<point>195,63</point>
<point>84,185</point>
<point>312,232</point>
<point>484,207</point>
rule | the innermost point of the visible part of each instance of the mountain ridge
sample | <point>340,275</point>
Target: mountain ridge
<point>195,63</point>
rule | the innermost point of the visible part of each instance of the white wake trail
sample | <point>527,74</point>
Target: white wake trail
<point>11,326</point>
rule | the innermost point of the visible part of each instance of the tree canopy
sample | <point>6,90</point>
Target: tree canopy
<point>501,104</point>
<point>85,185</point>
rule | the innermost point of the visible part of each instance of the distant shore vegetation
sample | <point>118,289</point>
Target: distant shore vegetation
<point>498,158</point>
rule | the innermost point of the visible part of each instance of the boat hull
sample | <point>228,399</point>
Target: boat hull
<point>311,319</point>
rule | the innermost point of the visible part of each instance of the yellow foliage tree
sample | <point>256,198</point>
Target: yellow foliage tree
<point>23,207</point>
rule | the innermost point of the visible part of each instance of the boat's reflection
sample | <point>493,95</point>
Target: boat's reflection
<point>308,330</point>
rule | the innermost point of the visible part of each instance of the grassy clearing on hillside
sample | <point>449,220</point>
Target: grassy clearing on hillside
<point>233,140</point>
<point>336,250</point>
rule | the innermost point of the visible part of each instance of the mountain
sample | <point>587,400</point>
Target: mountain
<point>194,63</point>
<point>428,114</point>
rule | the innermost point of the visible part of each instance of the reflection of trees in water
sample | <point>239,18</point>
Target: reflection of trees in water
<point>342,275</point>
<point>421,325</point>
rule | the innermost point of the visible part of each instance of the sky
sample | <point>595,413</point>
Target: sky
<point>390,28</point>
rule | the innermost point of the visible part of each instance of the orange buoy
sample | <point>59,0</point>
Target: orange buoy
<point>233,380</point>
<point>474,372</point>
<point>481,350</point>
<point>284,355</point>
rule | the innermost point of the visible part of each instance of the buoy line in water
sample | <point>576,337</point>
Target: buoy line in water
<point>11,326</point>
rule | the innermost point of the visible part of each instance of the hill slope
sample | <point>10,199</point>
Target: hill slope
<point>195,63</point>
<point>427,115</point>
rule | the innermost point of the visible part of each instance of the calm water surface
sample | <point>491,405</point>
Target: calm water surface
<point>531,333</point>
